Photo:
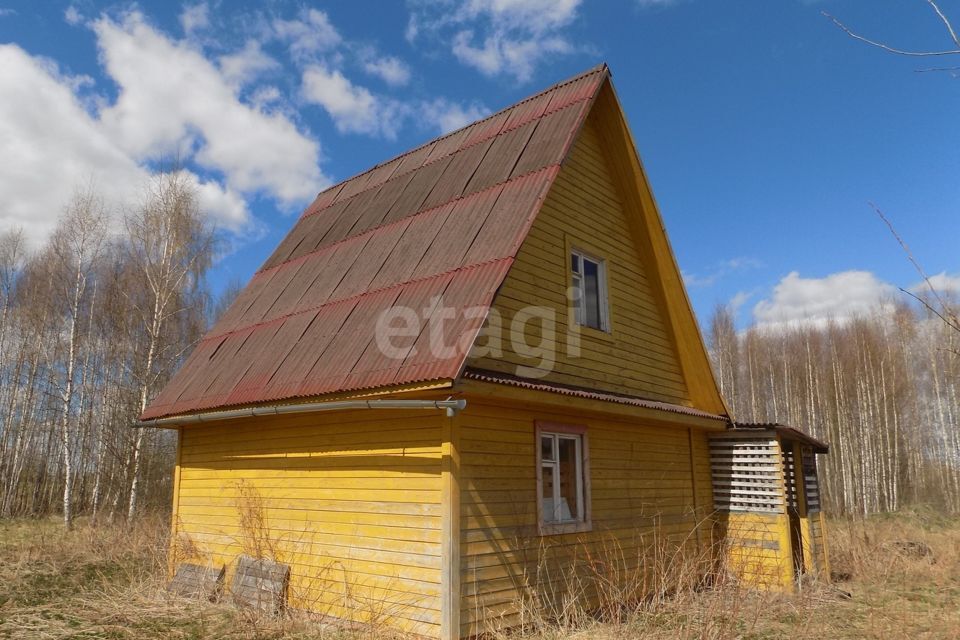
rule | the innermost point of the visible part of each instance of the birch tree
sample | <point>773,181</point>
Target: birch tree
<point>170,247</point>
<point>75,248</point>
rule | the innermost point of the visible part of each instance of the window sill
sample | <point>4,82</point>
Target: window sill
<point>600,334</point>
<point>565,527</point>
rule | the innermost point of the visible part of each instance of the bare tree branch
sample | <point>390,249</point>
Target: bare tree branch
<point>886,47</point>
<point>949,321</point>
<point>946,22</point>
<point>948,69</point>
<point>913,261</point>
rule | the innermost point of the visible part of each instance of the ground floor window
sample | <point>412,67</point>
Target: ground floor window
<point>562,478</point>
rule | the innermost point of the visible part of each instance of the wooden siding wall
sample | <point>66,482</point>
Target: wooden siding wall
<point>584,210</point>
<point>352,501</point>
<point>816,528</point>
<point>758,549</point>
<point>649,486</point>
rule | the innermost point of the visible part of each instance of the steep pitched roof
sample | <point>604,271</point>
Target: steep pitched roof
<point>443,220</point>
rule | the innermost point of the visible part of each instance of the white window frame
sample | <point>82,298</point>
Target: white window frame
<point>576,279</point>
<point>581,521</point>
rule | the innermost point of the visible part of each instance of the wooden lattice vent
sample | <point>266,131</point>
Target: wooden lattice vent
<point>747,474</point>
<point>811,486</point>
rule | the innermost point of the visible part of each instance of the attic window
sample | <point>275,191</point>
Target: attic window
<point>589,279</point>
<point>562,478</point>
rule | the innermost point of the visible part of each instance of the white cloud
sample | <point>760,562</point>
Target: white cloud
<point>942,283</point>
<point>247,64</point>
<point>195,17</point>
<point>52,144</point>
<point>720,270</point>
<point>390,69</point>
<point>500,53</point>
<point>353,108</point>
<point>646,4</point>
<point>308,35</point>
<point>738,300</point>
<point>837,297</point>
<point>72,15</point>
<point>264,98</point>
<point>172,98</point>
<point>227,207</point>
<point>7,12</point>
<point>448,116</point>
<point>499,36</point>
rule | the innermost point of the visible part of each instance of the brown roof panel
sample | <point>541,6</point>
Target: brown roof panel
<point>337,360</point>
<point>417,238</point>
<point>447,145</point>
<point>413,160</point>
<point>527,111</point>
<point>378,248</point>
<point>263,367</point>
<point>282,276</point>
<point>551,141</point>
<point>324,199</point>
<point>355,185</point>
<point>337,261</point>
<point>578,89</point>
<point>293,370</point>
<point>381,359</point>
<point>507,223</point>
<point>498,163</point>
<point>373,205</point>
<point>436,226</point>
<point>458,233</point>
<point>417,190</point>
<point>440,353</point>
<point>457,174</point>
<point>224,379</point>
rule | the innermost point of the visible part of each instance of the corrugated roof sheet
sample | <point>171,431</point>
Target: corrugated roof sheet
<point>514,381</point>
<point>437,227</point>
<point>786,431</point>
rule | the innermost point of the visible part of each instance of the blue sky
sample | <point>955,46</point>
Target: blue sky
<point>764,129</point>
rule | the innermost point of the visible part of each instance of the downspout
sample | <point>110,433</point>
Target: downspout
<point>452,408</point>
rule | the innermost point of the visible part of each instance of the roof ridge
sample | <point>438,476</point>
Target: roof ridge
<point>596,69</point>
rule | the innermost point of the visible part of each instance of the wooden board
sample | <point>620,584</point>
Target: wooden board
<point>260,584</point>
<point>197,581</point>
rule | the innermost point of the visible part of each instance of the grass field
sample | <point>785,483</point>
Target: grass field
<point>902,574</point>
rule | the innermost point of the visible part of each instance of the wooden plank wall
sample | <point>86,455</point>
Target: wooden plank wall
<point>351,501</point>
<point>650,489</point>
<point>758,550</point>
<point>584,210</point>
<point>818,545</point>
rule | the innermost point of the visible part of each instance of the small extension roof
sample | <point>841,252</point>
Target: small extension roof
<point>791,433</point>
<point>445,219</point>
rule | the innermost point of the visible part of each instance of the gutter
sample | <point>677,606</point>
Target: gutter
<point>452,407</point>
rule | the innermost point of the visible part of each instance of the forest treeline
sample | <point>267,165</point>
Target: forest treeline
<point>882,389</point>
<point>92,324</point>
<point>95,321</point>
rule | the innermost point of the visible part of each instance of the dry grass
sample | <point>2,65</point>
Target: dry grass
<point>902,572</point>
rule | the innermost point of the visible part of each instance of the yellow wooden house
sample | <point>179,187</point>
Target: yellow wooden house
<point>466,379</point>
